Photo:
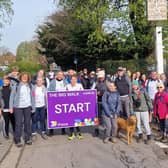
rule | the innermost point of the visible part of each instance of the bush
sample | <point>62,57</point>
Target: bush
<point>30,67</point>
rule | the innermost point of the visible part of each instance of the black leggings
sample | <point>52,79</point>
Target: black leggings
<point>9,117</point>
<point>72,130</point>
<point>162,125</point>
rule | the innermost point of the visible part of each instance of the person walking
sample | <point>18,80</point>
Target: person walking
<point>111,107</point>
<point>22,104</point>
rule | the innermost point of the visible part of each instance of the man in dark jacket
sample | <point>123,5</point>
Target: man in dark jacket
<point>123,84</point>
<point>101,88</point>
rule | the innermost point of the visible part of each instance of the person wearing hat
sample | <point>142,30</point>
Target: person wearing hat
<point>142,105</point>
<point>123,84</point>
<point>92,80</point>
<point>101,87</point>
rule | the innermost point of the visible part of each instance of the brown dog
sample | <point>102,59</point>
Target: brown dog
<point>128,125</point>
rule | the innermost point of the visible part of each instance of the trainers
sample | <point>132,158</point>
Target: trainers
<point>6,137</point>
<point>148,140</point>
<point>96,134</point>
<point>79,136</point>
<point>44,136</point>
<point>28,142</point>
<point>105,140</point>
<point>159,138</point>
<point>71,137</point>
<point>139,138</point>
<point>19,144</point>
<point>113,140</point>
<point>164,140</point>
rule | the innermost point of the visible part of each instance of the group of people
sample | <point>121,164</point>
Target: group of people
<point>23,101</point>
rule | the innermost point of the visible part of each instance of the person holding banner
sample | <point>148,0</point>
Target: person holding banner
<point>111,107</point>
<point>74,86</point>
<point>58,84</point>
<point>101,88</point>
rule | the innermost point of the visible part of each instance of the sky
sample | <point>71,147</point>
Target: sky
<point>28,14</point>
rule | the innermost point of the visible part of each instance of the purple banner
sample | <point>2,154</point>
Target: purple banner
<point>71,109</point>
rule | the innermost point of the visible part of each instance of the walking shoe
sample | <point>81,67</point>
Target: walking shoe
<point>34,137</point>
<point>51,132</point>
<point>139,138</point>
<point>148,140</point>
<point>113,140</point>
<point>159,138</point>
<point>79,136</point>
<point>164,140</point>
<point>44,136</point>
<point>6,137</point>
<point>105,140</point>
<point>28,142</point>
<point>96,132</point>
<point>19,144</point>
<point>71,137</point>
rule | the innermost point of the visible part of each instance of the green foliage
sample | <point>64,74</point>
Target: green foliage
<point>96,30</point>
<point>132,26</point>
<point>27,51</point>
<point>25,66</point>
<point>141,65</point>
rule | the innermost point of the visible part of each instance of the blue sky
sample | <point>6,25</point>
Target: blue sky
<point>28,14</point>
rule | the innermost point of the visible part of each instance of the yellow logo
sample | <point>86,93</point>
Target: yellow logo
<point>53,123</point>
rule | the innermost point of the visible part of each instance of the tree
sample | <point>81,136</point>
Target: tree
<point>5,12</point>
<point>134,35</point>
<point>28,51</point>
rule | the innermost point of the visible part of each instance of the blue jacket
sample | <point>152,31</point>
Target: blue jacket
<point>111,103</point>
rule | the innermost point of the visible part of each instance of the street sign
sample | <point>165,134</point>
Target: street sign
<point>157,10</point>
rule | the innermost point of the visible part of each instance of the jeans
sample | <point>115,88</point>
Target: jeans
<point>111,126</point>
<point>22,116</point>
<point>143,118</point>
<point>39,115</point>
<point>125,107</point>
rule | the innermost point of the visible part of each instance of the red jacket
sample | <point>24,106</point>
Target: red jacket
<point>161,101</point>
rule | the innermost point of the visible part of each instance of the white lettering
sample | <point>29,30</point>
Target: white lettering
<point>87,106</point>
<point>79,107</point>
<point>72,108</point>
<point>65,107</point>
<point>58,108</point>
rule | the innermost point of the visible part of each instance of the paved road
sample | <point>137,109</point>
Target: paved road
<point>90,152</point>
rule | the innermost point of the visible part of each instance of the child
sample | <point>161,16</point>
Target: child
<point>111,108</point>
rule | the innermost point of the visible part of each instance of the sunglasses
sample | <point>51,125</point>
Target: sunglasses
<point>159,87</point>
